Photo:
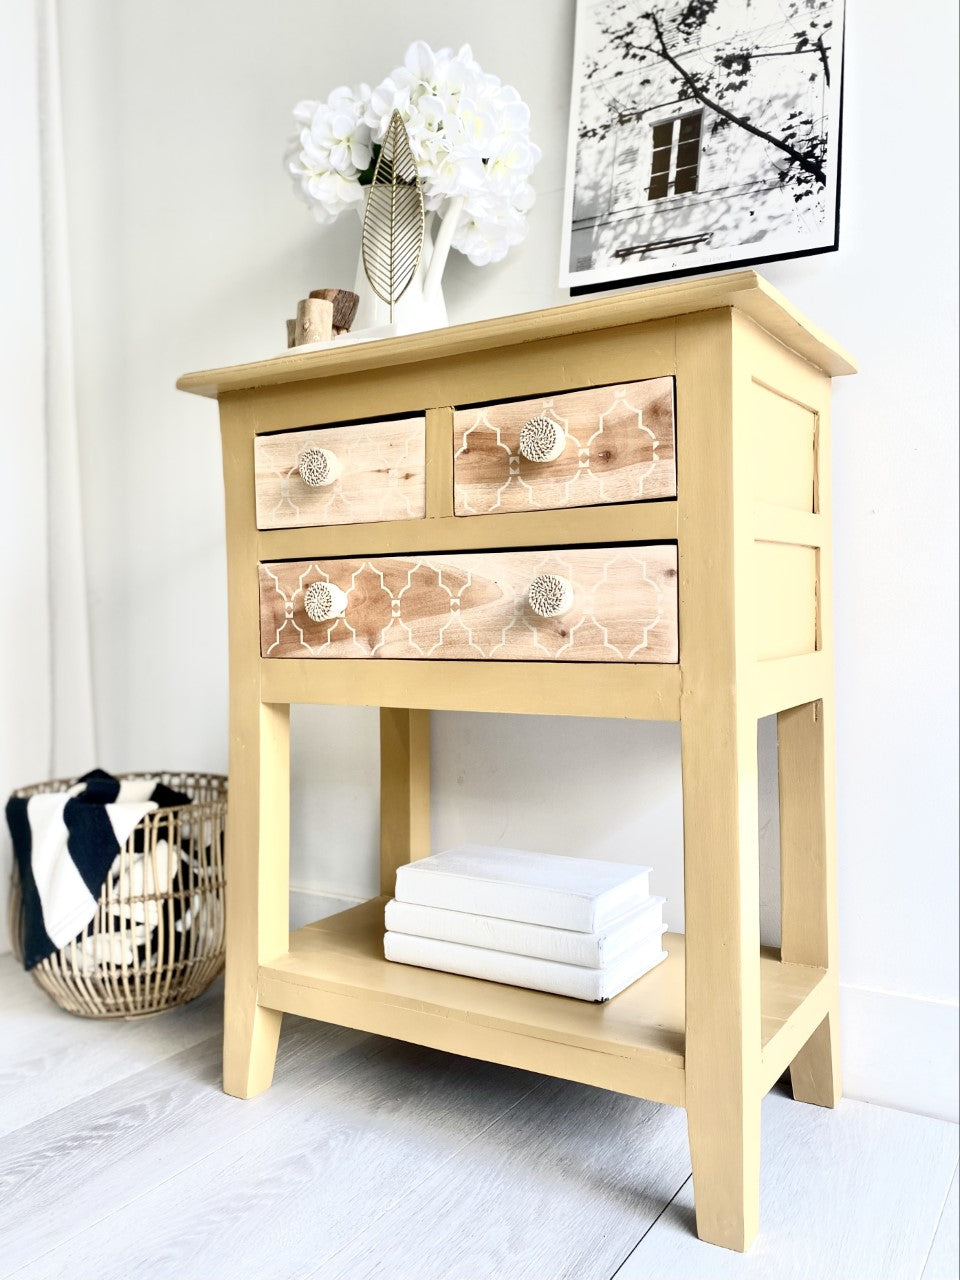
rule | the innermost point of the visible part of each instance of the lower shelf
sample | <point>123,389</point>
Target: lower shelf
<point>335,972</point>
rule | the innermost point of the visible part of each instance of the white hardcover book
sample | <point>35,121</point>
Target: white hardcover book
<point>527,971</point>
<point>537,888</point>
<point>566,946</point>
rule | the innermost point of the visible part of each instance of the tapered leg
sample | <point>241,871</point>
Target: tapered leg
<point>719,759</point>
<point>251,1035</point>
<point>808,881</point>
<point>721,890</point>
<point>815,1071</point>
<point>258,915</point>
<point>725,1157</point>
<point>258,808</point>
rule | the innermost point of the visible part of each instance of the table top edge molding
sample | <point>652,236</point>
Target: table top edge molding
<point>743,290</point>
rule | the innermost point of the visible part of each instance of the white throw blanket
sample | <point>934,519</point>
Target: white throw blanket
<point>67,843</point>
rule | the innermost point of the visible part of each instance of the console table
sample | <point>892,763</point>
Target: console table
<point>615,508</point>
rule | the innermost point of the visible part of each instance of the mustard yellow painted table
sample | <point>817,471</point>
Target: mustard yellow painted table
<point>615,508</point>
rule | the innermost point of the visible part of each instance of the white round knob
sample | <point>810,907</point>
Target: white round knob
<point>550,595</point>
<point>542,440</point>
<point>323,601</point>
<point>318,467</point>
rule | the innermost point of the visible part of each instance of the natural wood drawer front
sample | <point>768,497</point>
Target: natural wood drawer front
<point>618,604</point>
<point>617,446</point>
<point>375,472</point>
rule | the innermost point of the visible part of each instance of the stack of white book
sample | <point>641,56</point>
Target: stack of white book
<point>570,926</point>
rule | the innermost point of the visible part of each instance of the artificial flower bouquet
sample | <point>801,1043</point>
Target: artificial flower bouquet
<point>470,136</point>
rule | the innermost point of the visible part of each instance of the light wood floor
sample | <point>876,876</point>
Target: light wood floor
<point>120,1159</point>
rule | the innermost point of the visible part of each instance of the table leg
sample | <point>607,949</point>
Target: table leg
<point>404,791</point>
<point>721,892</point>
<point>808,881</point>
<point>257,893</point>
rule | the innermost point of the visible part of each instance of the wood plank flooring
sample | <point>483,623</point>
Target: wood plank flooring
<point>854,1193</point>
<point>120,1158</point>
<point>35,1046</point>
<point>942,1260</point>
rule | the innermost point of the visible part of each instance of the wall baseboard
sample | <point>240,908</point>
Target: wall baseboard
<point>900,1051</point>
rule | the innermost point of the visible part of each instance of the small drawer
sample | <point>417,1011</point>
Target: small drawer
<point>341,475</point>
<point>579,449</point>
<point>585,604</point>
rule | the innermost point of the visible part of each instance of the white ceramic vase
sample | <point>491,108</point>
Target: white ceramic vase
<point>422,305</point>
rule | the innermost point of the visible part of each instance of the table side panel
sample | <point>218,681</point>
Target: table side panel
<point>786,600</point>
<point>783,448</point>
<point>805,734</point>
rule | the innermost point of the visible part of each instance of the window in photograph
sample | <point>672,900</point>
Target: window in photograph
<point>676,156</point>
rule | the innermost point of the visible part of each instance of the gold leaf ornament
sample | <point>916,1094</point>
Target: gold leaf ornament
<point>393,222</point>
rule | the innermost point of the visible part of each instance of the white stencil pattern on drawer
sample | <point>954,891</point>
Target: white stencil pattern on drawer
<point>475,606</point>
<point>382,475</point>
<point>620,448</point>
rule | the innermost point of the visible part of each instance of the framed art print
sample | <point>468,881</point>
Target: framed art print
<point>703,134</point>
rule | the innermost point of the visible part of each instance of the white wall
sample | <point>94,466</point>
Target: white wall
<point>24,650</point>
<point>190,251</point>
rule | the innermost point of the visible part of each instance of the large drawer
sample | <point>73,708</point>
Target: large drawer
<point>341,475</point>
<point>607,444</point>
<point>586,604</point>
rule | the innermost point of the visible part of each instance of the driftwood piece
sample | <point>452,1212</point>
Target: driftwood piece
<point>291,333</point>
<point>345,305</point>
<point>314,321</point>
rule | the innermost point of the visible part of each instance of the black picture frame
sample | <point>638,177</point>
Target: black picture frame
<point>688,119</point>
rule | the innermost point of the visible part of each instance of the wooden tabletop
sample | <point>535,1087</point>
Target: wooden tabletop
<point>743,290</point>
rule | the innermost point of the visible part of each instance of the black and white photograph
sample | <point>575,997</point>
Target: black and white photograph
<point>703,134</point>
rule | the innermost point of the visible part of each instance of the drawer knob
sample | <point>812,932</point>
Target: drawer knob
<point>323,601</point>
<point>542,440</point>
<point>550,595</point>
<point>318,467</point>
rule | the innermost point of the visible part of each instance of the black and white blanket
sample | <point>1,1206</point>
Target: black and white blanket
<point>67,843</point>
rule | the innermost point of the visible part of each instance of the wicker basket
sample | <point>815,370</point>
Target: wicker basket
<point>157,938</point>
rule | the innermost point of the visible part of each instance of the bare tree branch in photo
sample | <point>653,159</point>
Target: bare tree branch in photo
<point>648,39</point>
<point>807,163</point>
<point>704,126</point>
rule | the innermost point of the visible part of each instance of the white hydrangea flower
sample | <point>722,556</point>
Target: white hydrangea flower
<point>470,136</point>
<point>486,234</point>
<point>331,151</point>
<point>510,162</point>
<point>331,193</point>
